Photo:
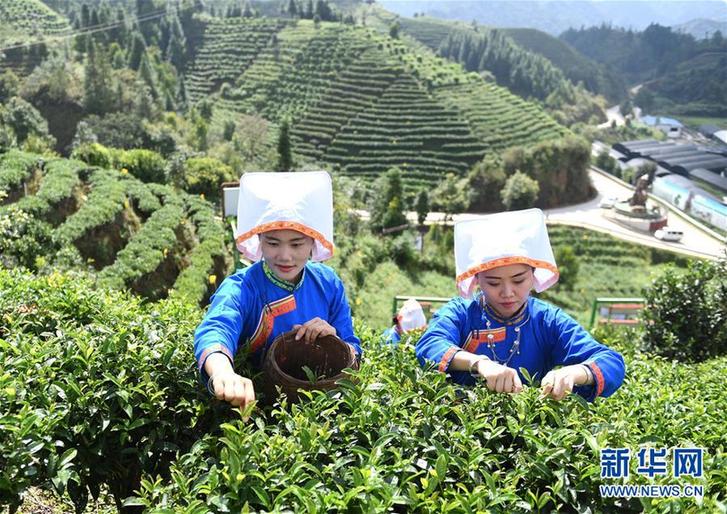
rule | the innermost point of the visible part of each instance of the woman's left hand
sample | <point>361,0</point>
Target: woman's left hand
<point>313,329</point>
<point>559,383</point>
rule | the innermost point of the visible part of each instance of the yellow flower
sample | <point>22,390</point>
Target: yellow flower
<point>213,279</point>
<point>124,171</point>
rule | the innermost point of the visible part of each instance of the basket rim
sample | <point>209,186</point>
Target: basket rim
<point>296,382</point>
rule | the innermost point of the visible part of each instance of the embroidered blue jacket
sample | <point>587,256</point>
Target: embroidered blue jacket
<point>252,308</point>
<point>391,336</point>
<point>548,338</point>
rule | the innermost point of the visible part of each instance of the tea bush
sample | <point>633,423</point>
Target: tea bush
<point>96,387</point>
<point>686,315</point>
<point>99,391</point>
<point>403,439</point>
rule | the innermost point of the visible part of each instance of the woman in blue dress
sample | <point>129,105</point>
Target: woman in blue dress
<point>496,327</point>
<point>285,224</point>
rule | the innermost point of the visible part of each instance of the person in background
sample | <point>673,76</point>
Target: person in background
<point>410,317</point>
<point>285,225</point>
<point>496,327</point>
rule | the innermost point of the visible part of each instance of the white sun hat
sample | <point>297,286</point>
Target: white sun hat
<point>301,201</point>
<point>514,237</point>
<point>411,316</point>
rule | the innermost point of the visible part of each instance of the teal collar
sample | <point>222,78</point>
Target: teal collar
<point>283,284</point>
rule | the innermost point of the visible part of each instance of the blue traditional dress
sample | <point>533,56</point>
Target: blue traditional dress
<point>538,339</point>
<point>540,336</point>
<point>253,306</point>
<point>391,336</point>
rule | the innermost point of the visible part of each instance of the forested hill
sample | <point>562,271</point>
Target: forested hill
<point>596,77</point>
<point>522,70</point>
<point>556,16</point>
<point>680,74</point>
<point>308,87</point>
<point>357,99</point>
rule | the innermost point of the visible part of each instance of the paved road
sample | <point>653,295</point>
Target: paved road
<point>695,242</point>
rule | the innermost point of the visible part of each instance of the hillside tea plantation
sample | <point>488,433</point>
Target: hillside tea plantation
<point>100,392</point>
<point>144,237</point>
<point>120,120</point>
<point>358,101</point>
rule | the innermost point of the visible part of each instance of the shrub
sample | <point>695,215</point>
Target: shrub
<point>567,260</point>
<point>205,175</point>
<point>100,387</point>
<point>686,314</point>
<point>520,192</point>
<point>145,165</point>
<point>402,439</point>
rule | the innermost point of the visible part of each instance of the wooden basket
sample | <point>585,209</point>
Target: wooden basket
<point>326,357</point>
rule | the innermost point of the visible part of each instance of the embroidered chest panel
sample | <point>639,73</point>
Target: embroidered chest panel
<point>477,337</point>
<point>267,320</point>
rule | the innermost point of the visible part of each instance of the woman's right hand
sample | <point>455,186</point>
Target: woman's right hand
<point>233,388</point>
<point>499,378</point>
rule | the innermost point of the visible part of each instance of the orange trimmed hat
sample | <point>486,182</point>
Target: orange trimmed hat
<point>301,201</point>
<point>514,237</point>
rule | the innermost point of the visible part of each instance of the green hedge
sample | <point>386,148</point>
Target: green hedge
<point>96,387</point>
<point>194,282</point>
<point>402,439</point>
<point>146,165</point>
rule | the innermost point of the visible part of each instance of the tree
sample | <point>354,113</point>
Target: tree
<point>98,90</point>
<point>323,10</point>
<point>148,75</point>
<point>394,30</point>
<point>9,85</point>
<point>138,49</point>
<point>247,12</point>
<point>285,156</point>
<point>175,51</point>
<point>648,169</point>
<point>450,196</point>
<point>205,110</point>
<point>24,120</point>
<point>228,130</point>
<point>200,134</point>
<point>422,206</point>
<point>292,8</point>
<point>387,210</point>
<point>568,266</point>
<point>520,192</point>
<point>484,182</point>
<point>251,133</point>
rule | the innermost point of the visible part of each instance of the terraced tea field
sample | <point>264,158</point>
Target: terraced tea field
<point>360,102</point>
<point>144,237</point>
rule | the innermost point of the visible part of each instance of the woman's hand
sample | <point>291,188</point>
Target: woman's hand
<point>499,378</point>
<point>233,388</point>
<point>559,383</point>
<point>313,329</point>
